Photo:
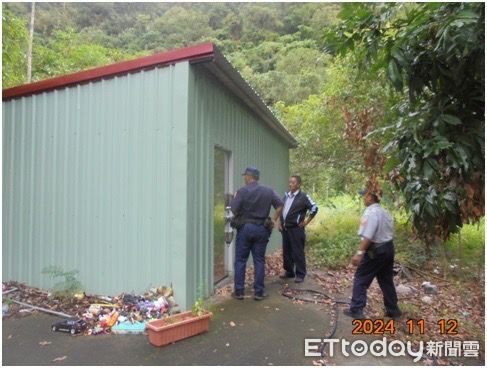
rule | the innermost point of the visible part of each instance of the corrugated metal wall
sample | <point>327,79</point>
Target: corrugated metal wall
<point>94,179</point>
<point>218,118</point>
<point>114,178</point>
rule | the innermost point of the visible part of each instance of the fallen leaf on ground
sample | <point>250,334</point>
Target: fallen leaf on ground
<point>58,359</point>
<point>45,343</point>
<point>232,324</point>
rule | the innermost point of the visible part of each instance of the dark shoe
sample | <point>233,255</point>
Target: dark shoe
<point>237,296</point>
<point>286,275</point>
<point>393,314</point>
<point>298,280</point>
<point>260,297</point>
<point>354,315</point>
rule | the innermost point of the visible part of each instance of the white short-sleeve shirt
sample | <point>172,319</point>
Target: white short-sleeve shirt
<point>376,225</point>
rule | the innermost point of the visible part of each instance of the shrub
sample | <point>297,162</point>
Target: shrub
<point>332,236</point>
<point>69,284</point>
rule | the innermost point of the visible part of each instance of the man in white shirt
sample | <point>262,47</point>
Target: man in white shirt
<point>375,258</point>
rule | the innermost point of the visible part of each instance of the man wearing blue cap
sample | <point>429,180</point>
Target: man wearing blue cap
<point>251,207</point>
<point>375,258</point>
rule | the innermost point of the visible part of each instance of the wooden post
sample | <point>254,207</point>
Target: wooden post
<point>31,40</point>
<point>43,309</point>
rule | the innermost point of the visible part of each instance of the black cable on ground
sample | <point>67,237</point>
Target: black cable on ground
<point>293,294</point>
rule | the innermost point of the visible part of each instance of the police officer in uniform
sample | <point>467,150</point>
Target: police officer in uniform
<point>251,207</point>
<point>297,204</point>
<point>375,258</point>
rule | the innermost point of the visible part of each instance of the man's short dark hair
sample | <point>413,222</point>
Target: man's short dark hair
<point>377,195</point>
<point>298,178</point>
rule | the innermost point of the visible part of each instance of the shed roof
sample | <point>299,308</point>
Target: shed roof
<point>206,53</point>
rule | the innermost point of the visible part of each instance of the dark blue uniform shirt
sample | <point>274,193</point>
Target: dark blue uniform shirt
<point>254,201</point>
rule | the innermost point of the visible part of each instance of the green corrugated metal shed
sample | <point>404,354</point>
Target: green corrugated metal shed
<point>111,171</point>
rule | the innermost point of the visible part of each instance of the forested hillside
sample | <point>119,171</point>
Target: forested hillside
<point>278,47</point>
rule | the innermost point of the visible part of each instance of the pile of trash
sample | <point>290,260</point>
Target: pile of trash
<point>128,313</point>
<point>125,313</point>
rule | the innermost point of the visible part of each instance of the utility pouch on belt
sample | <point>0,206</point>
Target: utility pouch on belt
<point>376,249</point>
<point>237,222</point>
<point>268,224</point>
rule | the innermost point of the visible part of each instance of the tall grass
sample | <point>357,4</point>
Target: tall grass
<point>333,239</point>
<point>332,236</point>
<point>466,250</point>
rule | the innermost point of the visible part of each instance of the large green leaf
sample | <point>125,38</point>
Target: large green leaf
<point>394,74</point>
<point>450,119</point>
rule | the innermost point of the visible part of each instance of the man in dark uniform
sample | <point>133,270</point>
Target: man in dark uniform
<point>251,207</point>
<point>293,219</point>
<point>375,258</point>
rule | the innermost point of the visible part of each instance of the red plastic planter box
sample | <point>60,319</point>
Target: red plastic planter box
<point>180,326</point>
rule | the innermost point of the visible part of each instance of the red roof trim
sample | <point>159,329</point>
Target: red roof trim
<point>198,52</point>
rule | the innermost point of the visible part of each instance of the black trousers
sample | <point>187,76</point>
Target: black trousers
<point>293,240</point>
<point>380,266</point>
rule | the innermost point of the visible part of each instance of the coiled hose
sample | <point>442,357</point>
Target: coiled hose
<point>293,294</point>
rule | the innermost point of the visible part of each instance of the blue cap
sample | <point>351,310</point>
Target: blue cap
<point>252,171</point>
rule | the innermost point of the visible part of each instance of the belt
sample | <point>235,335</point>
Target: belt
<point>373,246</point>
<point>289,227</point>
<point>255,222</point>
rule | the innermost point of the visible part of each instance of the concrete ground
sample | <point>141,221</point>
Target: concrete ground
<point>270,332</point>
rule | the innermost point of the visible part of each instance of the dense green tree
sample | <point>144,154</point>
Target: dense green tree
<point>434,53</point>
<point>260,23</point>
<point>66,52</point>
<point>327,162</point>
<point>285,70</point>
<point>173,30</point>
<point>14,48</point>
